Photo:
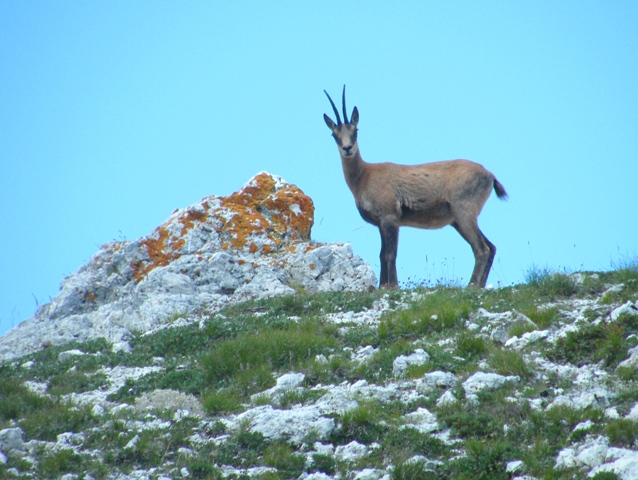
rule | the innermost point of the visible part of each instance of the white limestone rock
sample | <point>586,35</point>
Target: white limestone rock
<point>285,383</point>
<point>351,452</point>
<point>595,455</point>
<point>447,398</point>
<point>317,476</point>
<point>632,361</point>
<point>402,362</point>
<point>435,380</point>
<point>170,400</point>
<point>252,244</point>
<point>422,420</point>
<point>295,424</point>
<point>70,354</point>
<point>628,308</point>
<point>517,343</point>
<point>633,413</point>
<point>371,474</point>
<point>481,381</point>
<point>11,439</point>
<point>497,325</point>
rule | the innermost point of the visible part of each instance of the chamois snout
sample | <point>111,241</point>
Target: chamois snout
<point>346,138</point>
<point>348,150</point>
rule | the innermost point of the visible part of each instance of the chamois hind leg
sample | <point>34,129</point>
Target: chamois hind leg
<point>490,260</point>
<point>388,257</point>
<point>482,248</point>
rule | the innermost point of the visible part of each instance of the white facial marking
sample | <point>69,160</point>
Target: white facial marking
<point>346,137</point>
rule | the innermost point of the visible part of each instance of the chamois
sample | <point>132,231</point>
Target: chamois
<point>429,195</point>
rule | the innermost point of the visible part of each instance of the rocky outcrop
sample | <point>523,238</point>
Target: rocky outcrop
<point>342,413</point>
<point>251,244</point>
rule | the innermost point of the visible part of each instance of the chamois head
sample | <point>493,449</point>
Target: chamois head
<point>345,134</point>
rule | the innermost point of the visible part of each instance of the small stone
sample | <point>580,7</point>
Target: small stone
<point>364,354</point>
<point>98,410</point>
<point>132,442</point>
<point>69,354</point>
<point>586,425</point>
<point>628,308</point>
<point>514,466</point>
<point>350,452</point>
<point>318,476</point>
<point>518,343</point>
<point>447,398</point>
<point>170,399</point>
<point>437,379</point>
<point>422,420</point>
<point>290,380</point>
<point>633,413</point>
<point>122,347</point>
<point>323,449</point>
<point>370,474</point>
<point>482,381</point>
<point>402,362</point>
<point>612,413</point>
<point>321,359</point>
<point>11,439</point>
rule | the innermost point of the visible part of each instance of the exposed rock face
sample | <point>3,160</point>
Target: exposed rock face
<point>251,244</point>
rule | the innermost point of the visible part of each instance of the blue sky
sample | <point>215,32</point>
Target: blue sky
<point>113,114</point>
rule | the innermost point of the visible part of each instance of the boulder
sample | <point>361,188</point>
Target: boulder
<point>252,244</point>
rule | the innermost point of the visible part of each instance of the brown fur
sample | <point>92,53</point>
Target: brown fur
<point>429,195</point>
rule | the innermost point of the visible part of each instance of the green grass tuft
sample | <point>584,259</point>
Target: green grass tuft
<point>272,348</point>
<point>435,312</point>
<point>622,433</point>
<point>283,457</point>
<point>222,401</point>
<point>509,362</point>
<point>550,283</point>
<point>470,346</point>
<point>362,424</point>
<point>543,317</point>
<point>607,342</point>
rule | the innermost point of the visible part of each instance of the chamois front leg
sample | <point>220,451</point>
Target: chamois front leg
<point>389,246</point>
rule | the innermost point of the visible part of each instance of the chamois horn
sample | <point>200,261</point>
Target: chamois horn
<point>334,107</point>
<point>343,100</point>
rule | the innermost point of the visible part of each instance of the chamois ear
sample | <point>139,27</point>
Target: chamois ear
<point>354,118</point>
<point>330,123</point>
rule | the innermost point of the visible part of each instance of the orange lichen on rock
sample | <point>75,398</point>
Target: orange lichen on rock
<point>266,249</point>
<point>260,208</point>
<point>89,297</point>
<point>158,253</point>
<point>293,210</point>
<point>189,217</point>
<point>264,215</point>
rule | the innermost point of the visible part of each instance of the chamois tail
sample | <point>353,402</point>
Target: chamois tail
<point>500,190</point>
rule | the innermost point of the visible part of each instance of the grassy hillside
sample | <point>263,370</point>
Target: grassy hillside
<point>186,400</point>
